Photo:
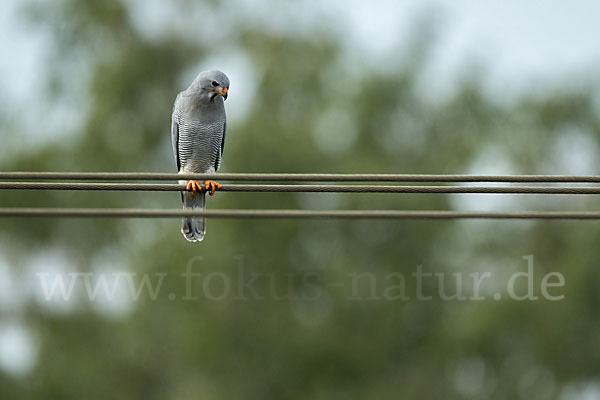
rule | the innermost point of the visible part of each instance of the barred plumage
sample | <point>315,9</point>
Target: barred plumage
<point>200,142</point>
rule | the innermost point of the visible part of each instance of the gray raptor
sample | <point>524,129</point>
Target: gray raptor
<point>198,134</point>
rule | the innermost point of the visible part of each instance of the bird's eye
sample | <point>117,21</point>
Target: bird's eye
<point>214,83</point>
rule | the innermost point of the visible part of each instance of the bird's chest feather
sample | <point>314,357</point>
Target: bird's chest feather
<point>200,134</point>
<point>199,144</point>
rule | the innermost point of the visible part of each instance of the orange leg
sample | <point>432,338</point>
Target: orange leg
<point>211,186</point>
<point>192,186</point>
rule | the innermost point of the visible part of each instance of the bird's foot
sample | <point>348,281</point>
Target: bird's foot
<point>211,186</point>
<point>192,186</point>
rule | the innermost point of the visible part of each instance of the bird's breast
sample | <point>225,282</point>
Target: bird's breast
<point>199,145</point>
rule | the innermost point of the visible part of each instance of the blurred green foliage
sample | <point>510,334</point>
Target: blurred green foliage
<point>312,111</point>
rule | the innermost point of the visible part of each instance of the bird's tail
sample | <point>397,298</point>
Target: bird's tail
<point>193,228</point>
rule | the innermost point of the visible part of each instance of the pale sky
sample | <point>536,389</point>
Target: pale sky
<point>517,40</point>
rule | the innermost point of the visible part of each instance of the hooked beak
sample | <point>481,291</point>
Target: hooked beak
<point>222,92</point>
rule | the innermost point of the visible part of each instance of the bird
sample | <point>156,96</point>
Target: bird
<point>198,126</point>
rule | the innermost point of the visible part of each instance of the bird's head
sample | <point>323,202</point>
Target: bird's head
<point>212,84</point>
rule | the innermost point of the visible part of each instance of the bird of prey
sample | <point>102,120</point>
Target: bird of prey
<point>198,128</point>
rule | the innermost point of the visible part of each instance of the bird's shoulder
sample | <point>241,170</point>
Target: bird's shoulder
<point>180,101</point>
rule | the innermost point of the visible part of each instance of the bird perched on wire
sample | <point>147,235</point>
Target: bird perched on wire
<point>198,127</point>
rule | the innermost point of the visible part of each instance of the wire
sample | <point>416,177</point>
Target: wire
<point>303,188</point>
<point>346,214</point>
<point>339,188</point>
<point>298,177</point>
<point>91,186</point>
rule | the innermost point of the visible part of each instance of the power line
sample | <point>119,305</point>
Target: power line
<point>279,188</point>
<point>302,188</point>
<point>91,186</point>
<point>298,177</point>
<point>321,214</point>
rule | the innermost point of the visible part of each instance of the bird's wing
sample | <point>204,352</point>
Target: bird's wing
<point>175,135</point>
<point>220,155</point>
